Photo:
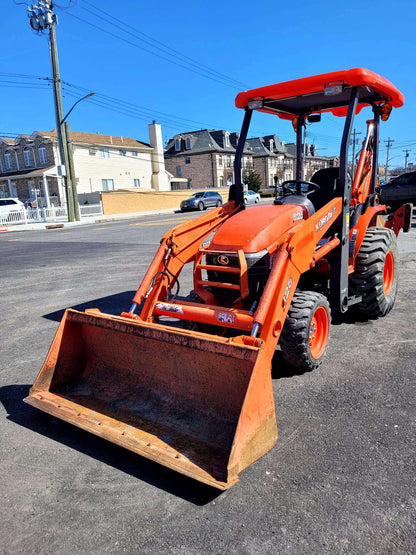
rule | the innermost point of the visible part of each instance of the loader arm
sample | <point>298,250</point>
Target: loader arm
<point>363,176</point>
<point>178,247</point>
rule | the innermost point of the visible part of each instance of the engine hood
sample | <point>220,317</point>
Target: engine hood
<point>257,228</point>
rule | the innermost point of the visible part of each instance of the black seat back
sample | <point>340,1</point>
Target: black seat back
<point>328,181</point>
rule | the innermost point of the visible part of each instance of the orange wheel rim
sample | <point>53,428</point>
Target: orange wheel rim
<point>318,332</point>
<point>388,275</point>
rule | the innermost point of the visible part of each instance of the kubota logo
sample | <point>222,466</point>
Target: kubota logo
<point>325,219</point>
<point>223,260</point>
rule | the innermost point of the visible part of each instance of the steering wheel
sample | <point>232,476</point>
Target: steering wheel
<point>312,187</point>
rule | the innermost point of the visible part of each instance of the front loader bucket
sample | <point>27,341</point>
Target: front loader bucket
<point>198,404</point>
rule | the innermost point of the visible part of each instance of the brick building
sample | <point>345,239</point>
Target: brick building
<point>313,162</point>
<point>271,160</point>
<point>27,165</point>
<point>204,159</point>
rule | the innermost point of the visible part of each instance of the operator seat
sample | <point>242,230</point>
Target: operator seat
<point>328,181</point>
<point>306,205</point>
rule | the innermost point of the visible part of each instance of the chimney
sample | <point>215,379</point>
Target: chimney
<point>160,181</point>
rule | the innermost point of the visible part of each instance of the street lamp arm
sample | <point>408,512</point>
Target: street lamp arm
<point>77,102</point>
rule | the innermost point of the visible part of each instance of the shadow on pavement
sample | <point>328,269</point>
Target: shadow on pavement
<point>108,453</point>
<point>113,304</point>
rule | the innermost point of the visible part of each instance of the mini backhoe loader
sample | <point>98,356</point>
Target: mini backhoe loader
<point>196,394</point>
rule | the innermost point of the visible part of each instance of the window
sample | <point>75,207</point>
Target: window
<point>137,182</point>
<point>107,184</point>
<point>42,154</point>
<point>177,145</point>
<point>26,157</point>
<point>8,161</point>
<point>221,182</point>
<point>178,171</point>
<point>220,161</point>
<point>104,153</point>
<point>122,152</point>
<point>187,160</point>
<point>227,139</point>
<point>228,160</point>
<point>188,143</point>
<point>134,153</point>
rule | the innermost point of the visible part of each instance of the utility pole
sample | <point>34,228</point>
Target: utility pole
<point>405,158</point>
<point>42,18</point>
<point>389,143</point>
<point>354,142</point>
<point>70,157</point>
<point>71,171</point>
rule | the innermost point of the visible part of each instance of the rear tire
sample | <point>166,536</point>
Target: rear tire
<point>218,203</point>
<point>375,277</point>
<point>305,333</point>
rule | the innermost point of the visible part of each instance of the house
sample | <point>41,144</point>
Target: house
<point>203,159</point>
<point>313,162</point>
<point>271,160</point>
<point>30,166</point>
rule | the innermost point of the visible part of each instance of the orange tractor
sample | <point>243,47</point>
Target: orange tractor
<point>187,381</point>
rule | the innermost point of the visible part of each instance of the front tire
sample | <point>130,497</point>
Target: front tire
<point>200,206</point>
<point>305,333</point>
<point>375,277</point>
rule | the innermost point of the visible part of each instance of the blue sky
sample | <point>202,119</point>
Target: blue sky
<point>182,64</point>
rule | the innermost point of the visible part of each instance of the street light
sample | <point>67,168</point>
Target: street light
<point>70,159</point>
<point>77,102</point>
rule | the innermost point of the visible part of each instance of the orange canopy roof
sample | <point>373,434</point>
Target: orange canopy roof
<point>300,96</point>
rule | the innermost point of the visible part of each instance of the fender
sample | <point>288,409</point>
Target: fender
<point>364,221</point>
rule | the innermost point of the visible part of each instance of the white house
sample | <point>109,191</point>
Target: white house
<point>30,165</point>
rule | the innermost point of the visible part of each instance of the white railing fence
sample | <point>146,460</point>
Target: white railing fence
<point>52,214</point>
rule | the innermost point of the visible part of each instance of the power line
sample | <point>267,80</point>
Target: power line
<point>155,43</point>
<point>137,112</point>
<point>142,110</point>
<point>135,45</point>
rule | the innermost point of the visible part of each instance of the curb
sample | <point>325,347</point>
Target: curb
<point>41,226</point>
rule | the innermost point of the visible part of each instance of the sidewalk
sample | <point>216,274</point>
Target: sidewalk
<point>84,221</point>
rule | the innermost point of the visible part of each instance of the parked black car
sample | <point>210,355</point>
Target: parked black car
<point>399,190</point>
<point>201,201</point>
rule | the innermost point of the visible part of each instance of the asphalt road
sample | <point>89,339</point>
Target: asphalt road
<point>341,478</point>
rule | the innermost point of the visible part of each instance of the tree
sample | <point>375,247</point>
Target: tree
<point>253,180</point>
